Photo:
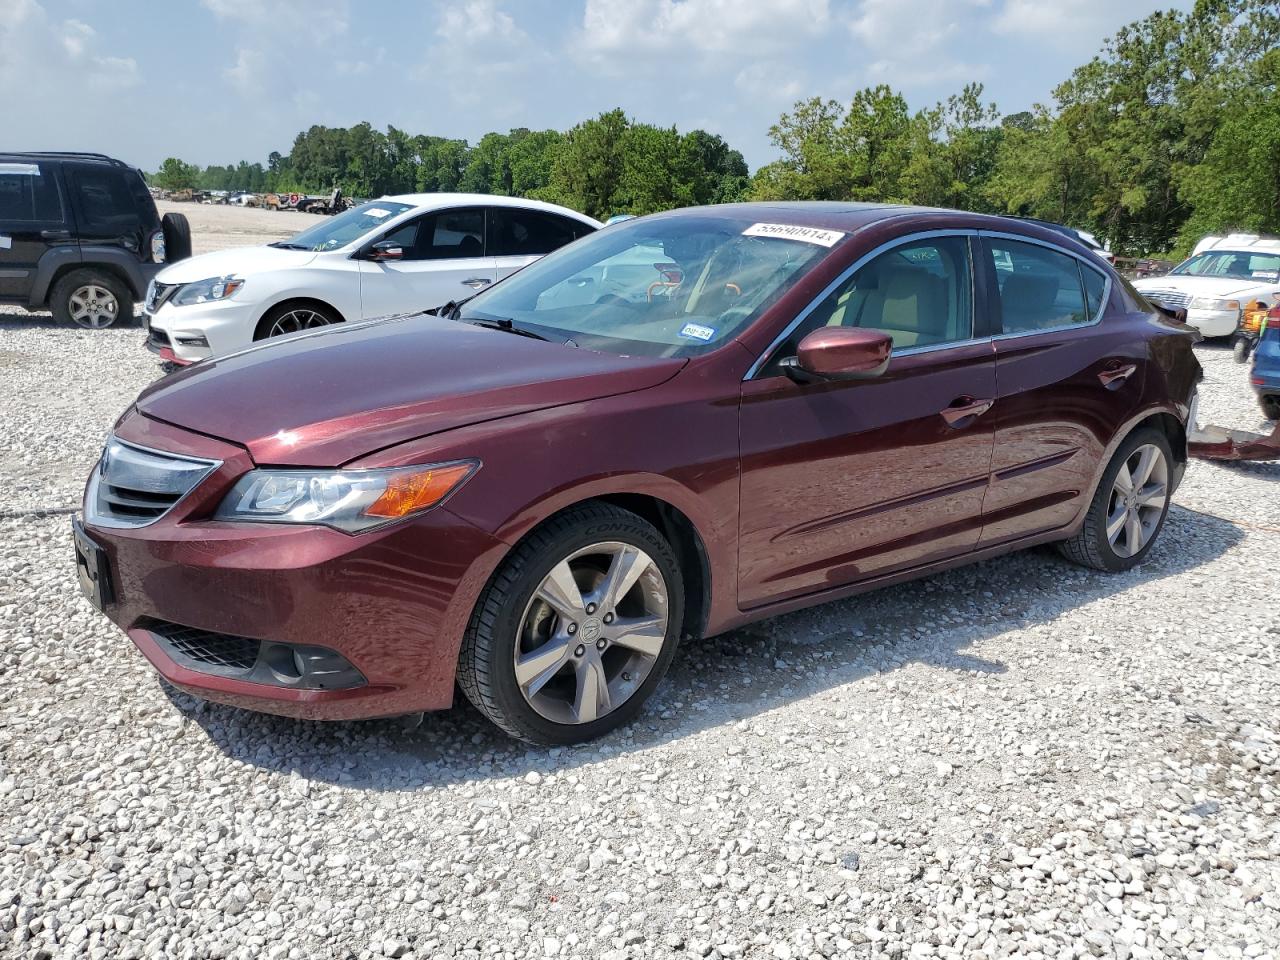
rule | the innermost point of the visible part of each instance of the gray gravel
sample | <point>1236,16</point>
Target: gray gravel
<point>1018,758</point>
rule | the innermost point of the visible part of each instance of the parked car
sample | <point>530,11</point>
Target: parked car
<point>394,255</point>
<point>1265,375</point>
<point>1217,281</point>
<point>537,494</point>
<point>80,236</point>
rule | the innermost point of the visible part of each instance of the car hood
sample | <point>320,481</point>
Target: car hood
<point>1204,286</point>
<point>240,262</point>
<point>325,398</point>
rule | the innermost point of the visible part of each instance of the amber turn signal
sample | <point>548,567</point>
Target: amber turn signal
<point>408,493</point>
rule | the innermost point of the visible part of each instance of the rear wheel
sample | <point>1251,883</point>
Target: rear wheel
<point>295,318</point>
<point>1129,507</point>
<point>576,628</point>
<point>92,299</point>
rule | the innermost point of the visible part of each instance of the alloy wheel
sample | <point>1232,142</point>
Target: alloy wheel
<point>591,633</point>
<point>1137,500</point>
<point>93,306</point>
<point>297,320</point>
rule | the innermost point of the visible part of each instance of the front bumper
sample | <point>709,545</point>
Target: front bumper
<point>1214,323</point>
<point>203,330</point>
<point>392,603</point>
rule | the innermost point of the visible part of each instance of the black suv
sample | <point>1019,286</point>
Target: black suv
<point>80,236</point>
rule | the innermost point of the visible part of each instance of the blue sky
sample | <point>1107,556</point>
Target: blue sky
<point>216,81</point>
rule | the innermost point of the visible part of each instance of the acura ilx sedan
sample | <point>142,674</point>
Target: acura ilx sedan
<point>667,429</point>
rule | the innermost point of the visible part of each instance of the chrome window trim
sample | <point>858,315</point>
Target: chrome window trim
<point>1083,261</point>
<point>90,506</point>
<point>854,268</point>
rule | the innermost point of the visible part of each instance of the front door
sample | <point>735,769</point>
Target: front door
<point>842,481</point>
<point>444,260</point>
<point>32,219</point>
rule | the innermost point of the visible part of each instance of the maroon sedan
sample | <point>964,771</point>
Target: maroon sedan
<point>668,429</point>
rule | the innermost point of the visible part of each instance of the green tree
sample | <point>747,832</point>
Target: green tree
<point>174,174</point>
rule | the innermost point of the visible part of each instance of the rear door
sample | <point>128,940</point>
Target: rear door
<point>444,259</point>
<point>33,218</point>
<point>1069,375</point>
<point>517,237</point>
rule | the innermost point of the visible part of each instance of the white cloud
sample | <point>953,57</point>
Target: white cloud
<point>771,81</point>
<point>910,43</point>
<point>1061,24</point>
<point>618,30</point>
<point>246,74</point>
<point>484,59</point>
<point>64,55</point>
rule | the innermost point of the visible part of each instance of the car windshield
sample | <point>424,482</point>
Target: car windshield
<point>671,286</point>
<point>1234,264</point>
<point>335,232</point>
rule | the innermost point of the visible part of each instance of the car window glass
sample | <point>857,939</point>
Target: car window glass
<point>104,199</point>
<point>452,235</point>
<point>1039,288</point>
<point>1095,285</point>
<point>406,235</point>
<point>529,233</point>
<point>918,293</point>
<point>29,193</point>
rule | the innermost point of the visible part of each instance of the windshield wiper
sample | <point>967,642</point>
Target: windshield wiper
<point>285,245</point>
<point>505,325</point>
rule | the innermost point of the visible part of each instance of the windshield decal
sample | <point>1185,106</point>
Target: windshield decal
<point>786,231</point>
<point>696,331</point>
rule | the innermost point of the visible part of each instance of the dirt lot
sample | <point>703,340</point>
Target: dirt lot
<point>1018,758</point>
<point>216,227</point>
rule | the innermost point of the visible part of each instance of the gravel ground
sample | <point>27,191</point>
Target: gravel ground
<point>1018,758</point>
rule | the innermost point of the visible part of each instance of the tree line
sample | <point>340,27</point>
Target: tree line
<point>1170,132</point>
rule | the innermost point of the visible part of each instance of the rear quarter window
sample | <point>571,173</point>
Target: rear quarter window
<point>105,199</point>
<point>1095,286</point>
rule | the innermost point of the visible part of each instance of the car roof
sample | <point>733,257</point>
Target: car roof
<point>436,201</point>
<point>852,216</point>
<point>1240,243</point>
<point>63,155</point>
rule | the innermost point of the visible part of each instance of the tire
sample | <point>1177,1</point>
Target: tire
<point>91,298</point>
<point>1270,406</point>
<point>177,237</point>
<point>511,618</point>
<point>1091,546</point>
<point>1240,350</point>
<point>308,315</point>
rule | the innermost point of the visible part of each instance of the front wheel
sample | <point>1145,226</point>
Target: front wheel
<point>295,318</point>
<point>576,628</point>
<point>1129,507</point>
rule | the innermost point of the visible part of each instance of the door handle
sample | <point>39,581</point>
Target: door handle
<point>55,234</point>
<point>964,410</point>
<point>475,283</point>
<point>1116,373</point>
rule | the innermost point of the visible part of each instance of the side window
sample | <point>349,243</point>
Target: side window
<point>1095,286</point>
<point>104,199</point>
<point>1040,289</point>
<point>919,293</point>
<point>407,236</point>
<point>452,235</point>
<point>29,194</point>
<point>528,233</point>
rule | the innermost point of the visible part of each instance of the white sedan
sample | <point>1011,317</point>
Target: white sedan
<point>393,255</point>
<point>1218,282</point>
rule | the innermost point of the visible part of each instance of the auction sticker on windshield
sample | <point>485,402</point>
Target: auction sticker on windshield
<point>696,331</point>
<point>377,213</point>
<point>786,231</point>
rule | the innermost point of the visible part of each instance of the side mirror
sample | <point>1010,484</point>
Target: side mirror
<point>386,250</point>
<point>839,353</point>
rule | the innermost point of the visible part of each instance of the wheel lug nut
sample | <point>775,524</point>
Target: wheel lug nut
<point>573,628</point>
<point>608,618</point>
<point>580,651</point>
<point>591,608</point>
<point>601,643</point>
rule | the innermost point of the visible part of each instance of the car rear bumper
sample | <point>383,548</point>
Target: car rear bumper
<point>393,603</point>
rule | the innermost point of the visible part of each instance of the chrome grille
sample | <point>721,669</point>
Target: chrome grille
<point>133,486</point>
<point>1170,298</point>
<point>157,295</point>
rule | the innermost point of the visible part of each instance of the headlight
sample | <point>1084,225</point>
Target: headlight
<point>1209,303</point>
<point>349,500</point>
<point>203,291</point>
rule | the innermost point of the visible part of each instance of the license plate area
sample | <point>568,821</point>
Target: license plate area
<point>92,567</point>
